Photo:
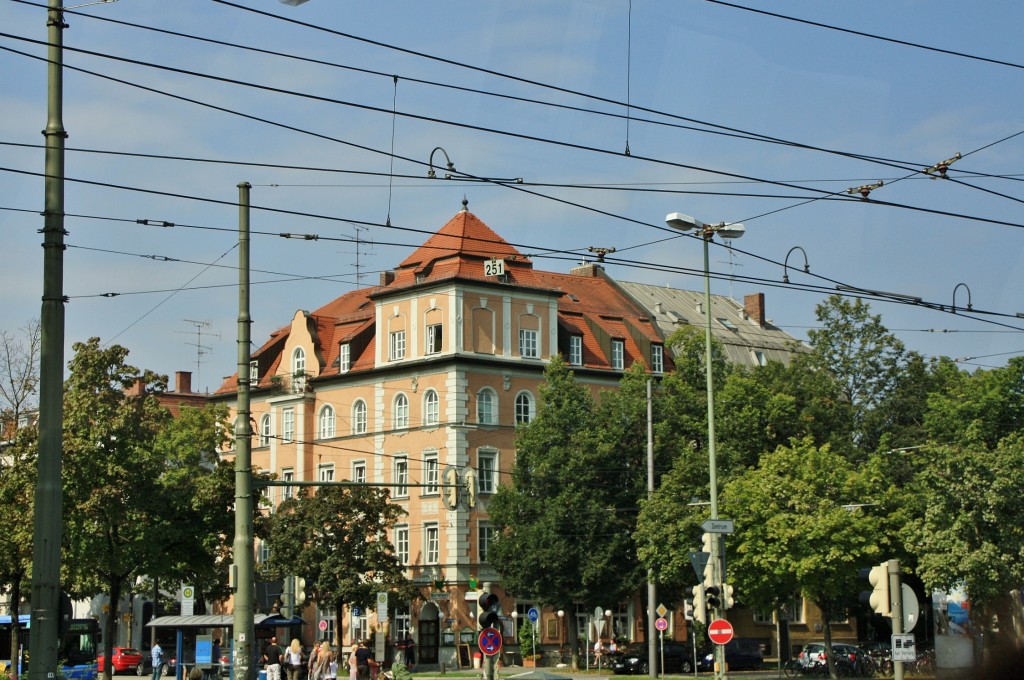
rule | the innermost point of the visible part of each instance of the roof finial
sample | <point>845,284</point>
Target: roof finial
<point>465,203</point>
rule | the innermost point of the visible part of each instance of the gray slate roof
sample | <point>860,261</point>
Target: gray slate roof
<point>744,340</point>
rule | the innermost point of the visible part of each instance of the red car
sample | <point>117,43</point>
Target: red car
<point>124,660</point>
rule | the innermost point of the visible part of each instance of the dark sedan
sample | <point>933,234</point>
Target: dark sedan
<point>678,658</point>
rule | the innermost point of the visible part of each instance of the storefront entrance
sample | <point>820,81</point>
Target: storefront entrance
<point>429,634</point>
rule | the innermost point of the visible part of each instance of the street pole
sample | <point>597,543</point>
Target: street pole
<point>49,500</point>
<point>244,595</point>
<point>716,554</point>
<point>896,609</point>
<point>652,591</point>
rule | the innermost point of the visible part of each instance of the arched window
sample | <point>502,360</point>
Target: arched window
<point>265,430</point>
<point>401,412</point>
<point>431,408</point>
<point>299,370</point>
<point>487,407</point>
<point>524,407</point>
<point>359,417</point>
<point>327,422</point>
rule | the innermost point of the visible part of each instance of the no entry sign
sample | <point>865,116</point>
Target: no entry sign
<point>720,632</point>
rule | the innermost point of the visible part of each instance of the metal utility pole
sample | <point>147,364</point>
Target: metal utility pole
<point>49,500</point>
<point>652,591</point>
<point>896,608</point>
<point>243,631</point>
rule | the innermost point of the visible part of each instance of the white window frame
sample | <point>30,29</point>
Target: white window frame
<point>575,350</point>
<point>486,472</point>
<point>266,430</point>
<point>263,554</point>
<point>431,407</point>
<point>328,615</point>
<point>298,370</point>
<point>431,543</point>
<point>529,347</point>
<point>400,412</point>
<point>287,475</point>
<point>402,544</point>
<point>325,472</point>
<point>657,358</point>
<point>487,407</point>
<point>288,424</point>
<point>434,338</point>
<point>359,417</point>
<point>401,477</point>
<point>431,473</point>
<point>360,626</point>
<point>344,357</point>
<point>359,471</point>
<point>484,538</point>
<point>254,372</point>
<point>396,345</point>
<point>525,407</point>
<point>618,354</point>
<point>327,423</point>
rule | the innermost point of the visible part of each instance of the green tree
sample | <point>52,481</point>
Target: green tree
<point>144,494</point>
<point>972,530</point>
<point>338,541</point>
<point>862,355</point>
<point>977,410</point>
<point>562,535</point>
<point>17,490</point>
<point>798,532</point>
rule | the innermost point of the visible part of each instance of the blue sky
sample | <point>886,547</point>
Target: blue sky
<point>674,62</point>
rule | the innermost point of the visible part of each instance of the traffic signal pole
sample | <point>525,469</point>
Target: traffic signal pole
<point>896,600</point>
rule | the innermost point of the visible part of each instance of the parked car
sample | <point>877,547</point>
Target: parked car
<point>632,660</point>
<point>740,654</point>
<point>169,666</point>
<point>123,660</point>
<point>846,655</point>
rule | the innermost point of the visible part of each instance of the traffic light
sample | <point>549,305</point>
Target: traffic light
<point>287,598</point>
<point>707,540</point>
<point>300,593</point>
<point>727,599</point>
<point>878,598</point>
<point>700,612</point>
<point>487,614</point>
<point>712,597</point>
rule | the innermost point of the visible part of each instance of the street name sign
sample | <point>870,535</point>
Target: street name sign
<point>718,526</point>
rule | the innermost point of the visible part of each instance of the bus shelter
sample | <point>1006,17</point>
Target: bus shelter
<point>193,639</point>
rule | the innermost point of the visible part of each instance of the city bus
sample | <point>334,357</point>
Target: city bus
<point>76,652</point>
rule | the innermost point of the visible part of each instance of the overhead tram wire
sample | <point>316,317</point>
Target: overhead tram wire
<point>444,122</point>
<point>520,136</point>
<point>715,128</point>
<point>863,34</point>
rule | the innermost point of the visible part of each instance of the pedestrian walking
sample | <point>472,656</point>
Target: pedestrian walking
<point>353,664</point>
<point>319,661</point>
<point>272,659</point>
<point>158,659</point>
<point>293,660</point>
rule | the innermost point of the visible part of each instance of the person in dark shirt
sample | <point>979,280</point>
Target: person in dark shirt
<point>272,659</point>
<point>364,658</point>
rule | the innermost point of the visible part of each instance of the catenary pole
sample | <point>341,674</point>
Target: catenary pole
<point>49,500</point>
<point>245,593</point>
<point>652,591</point>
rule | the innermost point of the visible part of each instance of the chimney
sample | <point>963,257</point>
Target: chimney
<point>386,278</point>
<point>183,382</point>
<point>137,389</point>
<point>753,307</point>
<point>586,269</point>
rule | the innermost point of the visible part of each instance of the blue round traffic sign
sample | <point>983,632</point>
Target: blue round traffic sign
<point>533,614</point>
<point>490,641</point>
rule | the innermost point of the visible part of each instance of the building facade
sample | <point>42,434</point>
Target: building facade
<point>418,384</point>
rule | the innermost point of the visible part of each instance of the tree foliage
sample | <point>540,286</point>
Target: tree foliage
<point>564,526</point>
<point>19,374</point>
<point>338,541</point>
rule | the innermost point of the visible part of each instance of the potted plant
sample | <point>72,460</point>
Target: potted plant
<point>527,643</point>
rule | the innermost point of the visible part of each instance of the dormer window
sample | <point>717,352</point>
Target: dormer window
<point>575,350</point>
<point>618,354</point>
<point>344,357</point>
<point>657,358</point>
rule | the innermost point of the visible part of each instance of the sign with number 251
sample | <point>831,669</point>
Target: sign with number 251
<point>494,267</point>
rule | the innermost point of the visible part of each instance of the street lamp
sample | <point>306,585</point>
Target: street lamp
<point>707,232</point>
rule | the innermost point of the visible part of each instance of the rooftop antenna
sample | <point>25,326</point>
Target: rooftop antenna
<point>732,264</point>
<point>201,349</point>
